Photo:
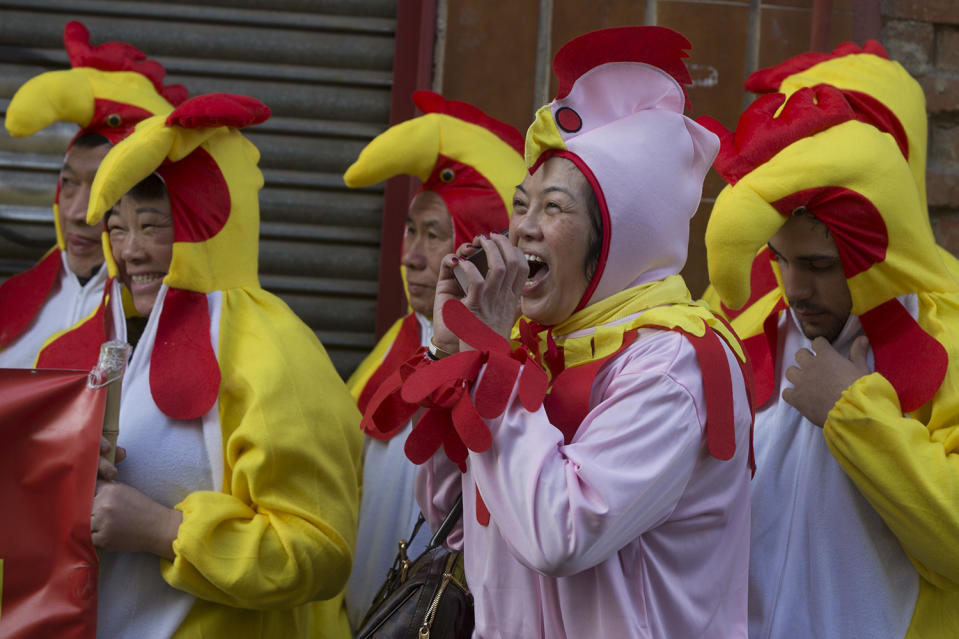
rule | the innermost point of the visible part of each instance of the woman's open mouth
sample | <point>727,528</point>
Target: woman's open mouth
<point>538,271</point>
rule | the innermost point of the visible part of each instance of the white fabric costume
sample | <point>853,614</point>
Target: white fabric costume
<point>865,585</point>
<point>67,304</point>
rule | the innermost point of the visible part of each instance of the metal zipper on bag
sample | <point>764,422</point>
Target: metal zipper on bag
<point>431,611</point>
<point>404,559</point>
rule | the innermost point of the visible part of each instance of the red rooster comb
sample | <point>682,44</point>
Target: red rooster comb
<point>768,80</point>
<point>761,134</point>
<point>117,56</point>
<point>657,46</point>
<point>219,109</point>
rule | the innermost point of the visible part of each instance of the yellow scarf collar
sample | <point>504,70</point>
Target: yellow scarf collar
<point>597,331</point>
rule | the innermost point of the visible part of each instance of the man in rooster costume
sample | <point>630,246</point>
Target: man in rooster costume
<point>236,504</point>
<point>821,248</point>
<point>602,454</point>
<point>877,87</point>
<point>470,164</point>
<point>110,88</point>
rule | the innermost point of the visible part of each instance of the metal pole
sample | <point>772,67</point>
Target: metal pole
<point>753,38</point>
<point>544,45</point>
<point>439,46</point>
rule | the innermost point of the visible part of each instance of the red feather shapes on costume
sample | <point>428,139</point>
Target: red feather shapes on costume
<point>219,109</point>
<point>769,80</point>
<point>746,368</point>
<point>718,393</point>
<point>407,343</point>
<point>454,419</point>
<point>385,414</point>
<point>443,388</point>
<point>760,134</point>
<point>482,512</point>
<point>911,360</point>
<point>431,102</point>
<point>184,372</point>
<point>657,46</point>
<point>117,56</point>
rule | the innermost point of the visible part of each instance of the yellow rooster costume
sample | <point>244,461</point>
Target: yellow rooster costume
<point>273,529</point>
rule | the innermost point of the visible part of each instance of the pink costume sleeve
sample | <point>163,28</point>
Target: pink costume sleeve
<point>565,508</point>
<point>437,485</point>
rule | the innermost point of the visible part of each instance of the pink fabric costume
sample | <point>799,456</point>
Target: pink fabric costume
<point>627,527</point>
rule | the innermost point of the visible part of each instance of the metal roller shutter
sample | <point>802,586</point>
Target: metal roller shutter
<point>325,69</point>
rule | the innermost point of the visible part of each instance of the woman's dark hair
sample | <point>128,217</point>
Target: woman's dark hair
<point>595,232</point>
<point>90,141</point>
<point>149,188</point>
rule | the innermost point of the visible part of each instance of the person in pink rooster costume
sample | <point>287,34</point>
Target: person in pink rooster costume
<point>603,456</point>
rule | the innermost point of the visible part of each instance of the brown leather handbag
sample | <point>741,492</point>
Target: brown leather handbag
<point>424,598</point>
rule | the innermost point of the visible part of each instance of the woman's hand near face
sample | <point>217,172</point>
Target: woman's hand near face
<point>448,288</point>
<point>126,520</point>
<point>493,299</point>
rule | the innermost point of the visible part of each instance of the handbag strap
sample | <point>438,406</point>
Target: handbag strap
<point>447,526</point>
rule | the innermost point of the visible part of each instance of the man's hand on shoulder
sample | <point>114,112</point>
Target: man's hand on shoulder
<point>819,377</point>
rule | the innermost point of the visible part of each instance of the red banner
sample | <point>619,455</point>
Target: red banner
<point>50,425</point>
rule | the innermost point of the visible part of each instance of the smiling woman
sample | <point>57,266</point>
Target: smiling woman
<point>235,504</point>
<point>140,227</point>
<point>603,453</point>
<point>552,226</point>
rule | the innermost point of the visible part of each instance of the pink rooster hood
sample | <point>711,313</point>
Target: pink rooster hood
<point>618,116</point>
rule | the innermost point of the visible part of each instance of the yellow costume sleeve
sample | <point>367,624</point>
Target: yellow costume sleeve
<point>282,531</point>
<point>908,473</point>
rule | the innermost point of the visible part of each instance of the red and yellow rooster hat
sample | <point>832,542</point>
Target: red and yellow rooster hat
<point>820,151</point>
<point>881,92</point>
<point>109,89</point>
<point>871,82</point>
<point>210,171</point>
<point>471,160</point>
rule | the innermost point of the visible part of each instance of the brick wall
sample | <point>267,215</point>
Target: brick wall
<point>923,35</point>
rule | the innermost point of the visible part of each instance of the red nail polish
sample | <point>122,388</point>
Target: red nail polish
<point>456,260</point>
